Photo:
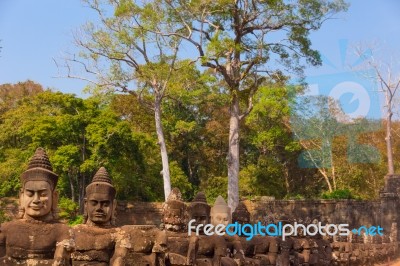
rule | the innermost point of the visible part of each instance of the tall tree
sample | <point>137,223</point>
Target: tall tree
<point>137,60</point>
<point>385,75</point>
<point>244,42</point>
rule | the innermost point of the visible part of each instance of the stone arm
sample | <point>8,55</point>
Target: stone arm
<point>237,251</point>
<point>220,249</point>
<point>192,250</point>
<point>64,248</point>
<point>118,258</point>
<point>122,244</point>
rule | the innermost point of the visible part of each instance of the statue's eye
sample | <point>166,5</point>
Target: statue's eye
<point>43,194</point>
<point>29,193</point>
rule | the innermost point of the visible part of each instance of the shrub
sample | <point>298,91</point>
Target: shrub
<point>339,194</point>
<point>68,210</point>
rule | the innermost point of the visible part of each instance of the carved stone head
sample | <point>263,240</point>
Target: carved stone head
<point>241,214</point>
<point>220,212</point>
<point>100,201</point>
<point>38,197</point>
<point>199,210</point>
<point>174,212</point>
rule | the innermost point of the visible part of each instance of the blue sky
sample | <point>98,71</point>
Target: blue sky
<point>35,32</point>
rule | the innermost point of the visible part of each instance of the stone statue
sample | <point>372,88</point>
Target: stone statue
<point>148,245</point>
<point>211,250</point>
<point>199,209</point>
<point>36,238</point>
<point>221,214</point>
<point>98,242</point>
<point>260,250</point>
<point>181,248</point>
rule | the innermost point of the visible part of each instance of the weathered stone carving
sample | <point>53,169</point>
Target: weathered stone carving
<point>37,238</point>
<point>210,250</point>
<point>98,242</point>
<point>148,245</point>
<point>221,214</point>
<point>181,248</point>
<point>260,250</point>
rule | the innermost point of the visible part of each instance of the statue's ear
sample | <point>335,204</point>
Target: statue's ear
<point>21,209</point>
<point>85,214</point>
<point>21,195</point>
<point>54,204</point>
<point>114,212</point>
<point>55,198</point>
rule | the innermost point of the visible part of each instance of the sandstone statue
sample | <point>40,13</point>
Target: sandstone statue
<point>36,238</point>
<point>221,214</point>
<point>98,241</point>
<point>260,250</point>
<point>181,248</point>
<point>211,250</point>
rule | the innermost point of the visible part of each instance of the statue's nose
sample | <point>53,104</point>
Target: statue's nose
<point>36,199</point>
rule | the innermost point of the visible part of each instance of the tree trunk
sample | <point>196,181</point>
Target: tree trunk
<point>326,177</point>
<point>286,175</point>
<point>389,143</point>
<point>82,187</point>
<point>71,183</point>
<point>163,148</point>
<point>233,154</point>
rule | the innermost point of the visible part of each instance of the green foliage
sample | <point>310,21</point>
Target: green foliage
<point>77,220</point>
<point>294,197</point>
<point>180,180</point>
<point>215,186</point>
<point>68,210</point>
<point>3,216</point>
<point>339,194</point>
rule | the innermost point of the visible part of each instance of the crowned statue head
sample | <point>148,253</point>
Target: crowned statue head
<point>100,200</point>
<point>199,210</point>
<point>241,214</point>
<point>38,196</point>
<point>174,212</point>
<point>220,212</point>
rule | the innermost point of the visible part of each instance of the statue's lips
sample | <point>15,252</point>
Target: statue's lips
<point>99,215</point>
<point>36,208</point>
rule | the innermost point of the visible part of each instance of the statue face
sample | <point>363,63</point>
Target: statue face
<point>99,207</point>
<point>37,198</point>
<point>220,218</point>
<point>201,218</point>
<point>173,217</point>
<point>242,219</point>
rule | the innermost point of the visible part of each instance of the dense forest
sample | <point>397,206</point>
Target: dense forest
<point>117,131</point>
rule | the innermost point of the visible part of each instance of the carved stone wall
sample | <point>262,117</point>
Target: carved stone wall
<point>147,213</point>
<point>353,212</point>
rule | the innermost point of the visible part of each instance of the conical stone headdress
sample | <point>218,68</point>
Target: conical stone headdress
<point>40,169</point>
<point>199,204</point>
<point>174,200</point>
<point>241,213</point>
<point>101,183</point>
<point>220,206</point>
